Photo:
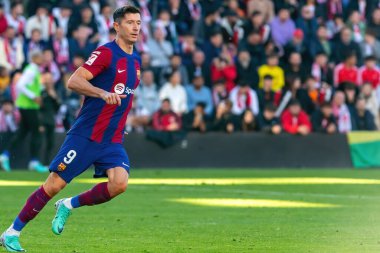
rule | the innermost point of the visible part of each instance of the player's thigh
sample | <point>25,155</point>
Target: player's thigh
<point>113,156</point>
<point>74,157</point>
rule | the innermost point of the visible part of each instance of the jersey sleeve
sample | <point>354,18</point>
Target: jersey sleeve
<point>99,60</point>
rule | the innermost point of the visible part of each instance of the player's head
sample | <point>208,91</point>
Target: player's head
<point>127,23</point>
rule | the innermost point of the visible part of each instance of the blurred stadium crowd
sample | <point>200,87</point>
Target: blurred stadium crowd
<point>208,65</point>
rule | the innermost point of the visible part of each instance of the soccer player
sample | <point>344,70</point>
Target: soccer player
<point>108,80</point>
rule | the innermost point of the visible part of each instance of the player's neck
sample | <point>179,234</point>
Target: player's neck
<point>128,48</point>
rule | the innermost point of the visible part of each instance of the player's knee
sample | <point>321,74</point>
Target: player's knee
<point>54,184</point>
<point>118,187</point>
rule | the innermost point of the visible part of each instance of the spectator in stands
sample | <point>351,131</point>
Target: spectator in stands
<point>335,25</point>
<point>3,20</point>
<point>197,93</point>
<point>80,42</point>
<point>181,16</point>
<point>145,62</point>
<point>283,27</point>
<point>266,95</point>
<point>370,46</point>
<point>374,24</point>
<point>295,91</point>
<point>341,113</point>
<point>364,8</point>
<point>9,119</point>
<point>42,21</point>
<point>266,7</point>
<point>267,120</point>
<point>296,45</point>
<point>369,73</point>
<point>345,47</point>
<point>321,70</point>
<point>34,43</point>
<point>11,50</point>
<point>223,67</point>
<point>295,67</point>
<point>248,121</point>
<point>372,101</point>
<point>15,18</point>
<point>209,26</point>
<point>198,67</point>
<point>60,47</point>
<point>350,93</point>
<point>213,47</point>
<point>166,126</point>
<point>253,44</point>
<point>175,65</point>
<point>321,44</point>
<point>187,48</point>
<point>62,15</point>
<point>197,119</point>
<point>323,120</point>
<point>247,70</point>
<point>49,65</point>
<point>146,93</point>
<point>4,80</point>
<point>160,50</point>
<point>105,23</point>
<point>219,92</point>
<point>28,101</point>
<point>256,23</point>
<point>175,92</point>
<point>86,23</point>
<point>363,119</point>
<point>357,26</point>
<point>273,69</point>
<point>168,27</point>
<point>346,71</point>
<point>137,118</point>
<point>232,29</point>
<point>308,24</point>
<point>244,98</point>
<point>225,120</point>
<point>294,120</point>
<point>315,94</point>
<point>49,108</point>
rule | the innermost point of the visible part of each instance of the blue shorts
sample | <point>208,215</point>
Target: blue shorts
<point>78,153</point>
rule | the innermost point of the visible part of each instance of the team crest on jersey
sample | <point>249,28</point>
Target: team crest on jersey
<point>61,167</point>
<point>138,73</point>
<point>119,88</point>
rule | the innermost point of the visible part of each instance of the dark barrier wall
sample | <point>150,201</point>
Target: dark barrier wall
<point>219,150</point>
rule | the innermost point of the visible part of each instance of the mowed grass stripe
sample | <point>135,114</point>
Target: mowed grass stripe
<point>220,181</point>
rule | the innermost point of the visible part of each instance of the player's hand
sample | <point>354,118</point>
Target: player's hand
<point>112,98</point>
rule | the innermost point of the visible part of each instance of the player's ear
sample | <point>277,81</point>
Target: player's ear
<point>116,26</point>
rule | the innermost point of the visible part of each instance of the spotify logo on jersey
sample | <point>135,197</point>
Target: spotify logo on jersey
<point>119,88</point>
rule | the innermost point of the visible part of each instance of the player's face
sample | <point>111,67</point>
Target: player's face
<point>129,27</point>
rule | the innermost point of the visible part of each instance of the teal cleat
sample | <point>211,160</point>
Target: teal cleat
<point>4,163</point>
<point>11,243</point>
<point>60,218</point>
<point>37,166</point>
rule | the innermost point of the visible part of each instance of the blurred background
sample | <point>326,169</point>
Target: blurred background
<point>233,77</point>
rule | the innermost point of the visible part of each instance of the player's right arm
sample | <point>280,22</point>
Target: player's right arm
<point>79,81</point>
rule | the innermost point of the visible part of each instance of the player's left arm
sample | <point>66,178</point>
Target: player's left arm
<point>97,63</point>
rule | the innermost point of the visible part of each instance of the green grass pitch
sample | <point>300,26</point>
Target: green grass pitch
<point>204,210</point>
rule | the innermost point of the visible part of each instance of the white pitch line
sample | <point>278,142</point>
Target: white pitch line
<point>274,193</point>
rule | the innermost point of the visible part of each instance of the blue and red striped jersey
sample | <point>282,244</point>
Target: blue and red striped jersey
<point>114,71</point>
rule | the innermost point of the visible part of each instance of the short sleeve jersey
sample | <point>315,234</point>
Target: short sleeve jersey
<point>114,71</point>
